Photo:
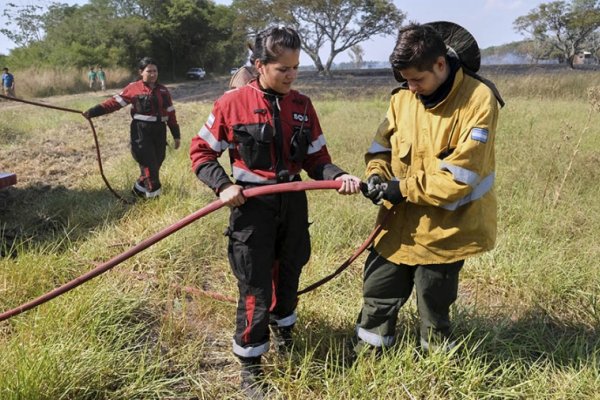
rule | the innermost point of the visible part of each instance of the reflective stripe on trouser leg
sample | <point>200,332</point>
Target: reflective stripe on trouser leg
<point>249,350</point>
<point>437,288</point>
<point>386,287</point>
<point>258,231</point>
<point>290,320</point>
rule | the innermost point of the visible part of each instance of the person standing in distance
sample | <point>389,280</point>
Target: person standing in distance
<point>92,76</point>
<point>8,83</point>
<point>151,108</point>
<point>101,78</point>
<point>432,163</point>
<point>271,133</point>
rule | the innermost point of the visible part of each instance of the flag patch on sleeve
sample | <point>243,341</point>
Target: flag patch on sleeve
<point>479,134</point>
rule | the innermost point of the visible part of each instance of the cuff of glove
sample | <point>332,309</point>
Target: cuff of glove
<point>392,192</point>
<point>175,132</point>
<point>95,111</point>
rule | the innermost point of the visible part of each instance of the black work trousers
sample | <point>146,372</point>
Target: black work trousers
<point>387,286</point>
<point>148,147</point>
<point>269,243</point>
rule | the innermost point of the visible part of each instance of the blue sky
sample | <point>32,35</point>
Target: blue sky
<point>490,21</point>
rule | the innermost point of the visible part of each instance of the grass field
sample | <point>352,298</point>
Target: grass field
<point>528,312</point>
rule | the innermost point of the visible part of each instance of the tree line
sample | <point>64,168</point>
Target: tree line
<point>561,30</point>
<point>184,33</point>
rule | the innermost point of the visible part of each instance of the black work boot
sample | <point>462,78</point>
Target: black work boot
<point>252,376</point>
<point>281,338</point>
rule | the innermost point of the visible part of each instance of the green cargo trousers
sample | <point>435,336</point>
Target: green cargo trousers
<point>387,286</point>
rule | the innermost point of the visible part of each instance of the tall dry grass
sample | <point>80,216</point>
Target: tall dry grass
<point>43,82</point>
<point>528,312</point>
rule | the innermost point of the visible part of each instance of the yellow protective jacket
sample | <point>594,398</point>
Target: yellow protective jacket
<point>444,159</point>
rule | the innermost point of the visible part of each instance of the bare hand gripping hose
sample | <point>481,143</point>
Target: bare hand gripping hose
<point>215,205</point>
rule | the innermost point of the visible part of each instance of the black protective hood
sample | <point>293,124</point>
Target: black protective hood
<point>460,42</point>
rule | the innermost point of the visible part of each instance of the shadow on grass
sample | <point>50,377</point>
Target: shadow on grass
<point>39,215</point>
<point>534,339</point>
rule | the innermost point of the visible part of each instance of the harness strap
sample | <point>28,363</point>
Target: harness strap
<point>281,170</point>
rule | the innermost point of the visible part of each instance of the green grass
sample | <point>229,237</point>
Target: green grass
<point>528,311</point>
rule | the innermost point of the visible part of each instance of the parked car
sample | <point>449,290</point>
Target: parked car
<point>196,73</point>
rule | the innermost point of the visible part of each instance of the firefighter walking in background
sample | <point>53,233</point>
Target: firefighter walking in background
<point>272,133</point>
<point>151,108</point>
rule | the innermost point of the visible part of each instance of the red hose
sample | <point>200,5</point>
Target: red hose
<point>94,134</point>
<point>350,259</point>
<point>215,205</point>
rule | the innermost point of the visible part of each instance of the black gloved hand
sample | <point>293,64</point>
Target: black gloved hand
<point>391,192</point>
<point>175,132</point>
<point>373,189</point>
<point>94,112</point>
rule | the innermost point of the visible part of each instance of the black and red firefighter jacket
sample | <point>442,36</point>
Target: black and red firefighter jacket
<point>270,138</point>
<point>244,121</point>
<point>147,104</point>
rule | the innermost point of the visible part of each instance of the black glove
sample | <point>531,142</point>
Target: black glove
<point>94,112</point>
<point>391,192</point>
<point>373,190</point>
<point>175,132</point>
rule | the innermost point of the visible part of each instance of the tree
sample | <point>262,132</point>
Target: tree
<point>561,26</point>
<point>340,24</point>
<point>177,33</point>
<point>197,33</point>
<point>356,55</point>
<point>24,23</point>
<point>593,45</point>
<point>94,34</point>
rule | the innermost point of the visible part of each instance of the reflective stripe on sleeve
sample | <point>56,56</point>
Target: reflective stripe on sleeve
<point>169,109</point>
<point>478,191</point>
<point>248,176</point>
<point>210,121</point>
<point>120,100</point>
<point>316,145</point>
<point>243,175</point>
<point>461,175</point>
<point>215,145</point>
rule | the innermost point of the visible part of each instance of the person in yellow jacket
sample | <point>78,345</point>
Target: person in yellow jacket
<point>432,165</point>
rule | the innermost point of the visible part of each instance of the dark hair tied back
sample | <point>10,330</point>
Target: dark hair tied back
<point>270,43</point>
<point>144,62</point>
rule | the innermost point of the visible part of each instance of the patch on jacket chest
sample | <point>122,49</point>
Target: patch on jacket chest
<point>300,117</point>
<point>479,134</point>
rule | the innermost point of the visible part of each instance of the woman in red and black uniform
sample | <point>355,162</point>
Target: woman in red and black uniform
<point>271,133</point>
<point>151,108</point>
